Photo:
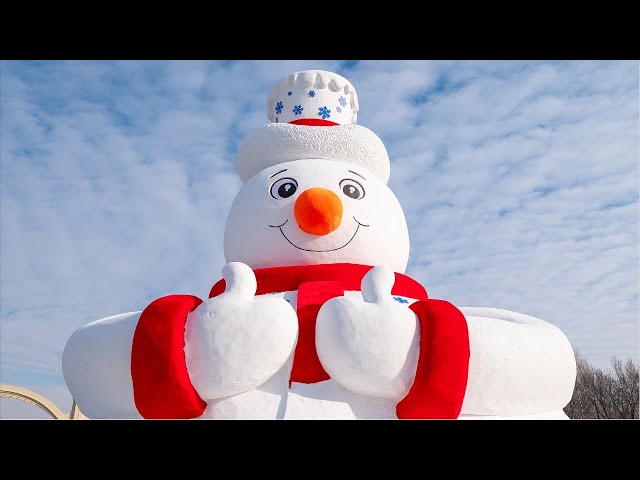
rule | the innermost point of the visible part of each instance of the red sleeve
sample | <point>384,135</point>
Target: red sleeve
<point>443,363</point>
<point>161,384</point>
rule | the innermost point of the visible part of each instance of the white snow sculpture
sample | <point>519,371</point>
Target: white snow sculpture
<point>314,317</point>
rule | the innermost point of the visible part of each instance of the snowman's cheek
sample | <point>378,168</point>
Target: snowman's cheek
<point>361,209</point>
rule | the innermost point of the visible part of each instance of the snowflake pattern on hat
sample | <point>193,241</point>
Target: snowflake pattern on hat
<point>324,112</point>
<point>313,94</point>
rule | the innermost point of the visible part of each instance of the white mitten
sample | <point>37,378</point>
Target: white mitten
<point>235,342</point>
<point>370,347</point>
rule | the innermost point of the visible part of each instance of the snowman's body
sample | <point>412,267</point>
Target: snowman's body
<point>315,216</point>
<point>101,381</point>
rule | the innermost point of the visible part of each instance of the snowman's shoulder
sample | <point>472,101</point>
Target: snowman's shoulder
<point>500,314</point>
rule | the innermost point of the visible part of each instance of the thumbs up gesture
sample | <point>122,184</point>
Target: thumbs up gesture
<point>235,342</point>
<point>369,346</point>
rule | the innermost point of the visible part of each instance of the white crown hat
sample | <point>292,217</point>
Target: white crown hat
<point>313,115</point>
<point>313,94</point>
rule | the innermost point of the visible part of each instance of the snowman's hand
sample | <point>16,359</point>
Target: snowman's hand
<point>369,346</point>
<point>377,284</point>
<point>240,281</point>
<point>235,342</point>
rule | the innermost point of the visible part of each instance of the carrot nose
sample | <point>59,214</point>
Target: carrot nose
<point>318,211</point>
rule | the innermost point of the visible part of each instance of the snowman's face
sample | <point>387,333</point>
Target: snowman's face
<point>316,211</point>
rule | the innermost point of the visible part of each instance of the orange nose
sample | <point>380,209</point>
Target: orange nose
<point>318,211</point>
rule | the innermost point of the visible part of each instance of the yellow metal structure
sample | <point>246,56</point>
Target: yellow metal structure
<point>29,396</point>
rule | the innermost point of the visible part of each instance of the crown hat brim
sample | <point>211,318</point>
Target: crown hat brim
<point>276,143</point>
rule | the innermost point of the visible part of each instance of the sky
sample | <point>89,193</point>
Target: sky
<point>519,181</point>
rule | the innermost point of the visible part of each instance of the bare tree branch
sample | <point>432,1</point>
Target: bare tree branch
<point>612,393</point>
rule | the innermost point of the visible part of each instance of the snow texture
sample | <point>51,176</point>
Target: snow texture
<point>276,143</point>
<point>518,365</point>
<point>239,348</point>
<point>520,368</point>
<point>235,342</point>
<point>373,229</point>
<point>96,364</point>
<point>370,347</point>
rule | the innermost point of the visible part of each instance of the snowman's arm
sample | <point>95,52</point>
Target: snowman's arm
<point>96,363</point>
<point>518,364</point>
<point>133,365</point>
<point>417,356</point>
<point>472,362</point>
<point>179,353</point>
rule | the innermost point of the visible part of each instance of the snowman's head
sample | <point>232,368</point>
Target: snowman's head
<point>315,211</point>
<point>315,184</point>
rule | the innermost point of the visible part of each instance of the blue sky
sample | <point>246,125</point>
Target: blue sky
<point>519,181</point>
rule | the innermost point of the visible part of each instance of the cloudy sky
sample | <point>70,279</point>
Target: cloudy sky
<point>519,181</point>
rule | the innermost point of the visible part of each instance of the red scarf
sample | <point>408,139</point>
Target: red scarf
<point>162,388</point>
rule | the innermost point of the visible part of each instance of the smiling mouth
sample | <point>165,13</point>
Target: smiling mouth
<point>311,250</point>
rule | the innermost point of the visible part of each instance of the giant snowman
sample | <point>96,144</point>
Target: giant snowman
<point>314,317</point>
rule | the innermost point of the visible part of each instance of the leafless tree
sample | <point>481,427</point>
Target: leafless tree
<point>611,393</point>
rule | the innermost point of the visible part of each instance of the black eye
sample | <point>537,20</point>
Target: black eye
<point>283,188</point>
<point>351,188</point>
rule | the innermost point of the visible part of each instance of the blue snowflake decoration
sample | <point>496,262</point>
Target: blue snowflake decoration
<point>312,93</point>
<point>324,112</point>
<point>298,109</point>
<point>338,109</point>
<point>279,108</point>
<point>401,300</point>
<point>289,93</point>
<point>343,101</point>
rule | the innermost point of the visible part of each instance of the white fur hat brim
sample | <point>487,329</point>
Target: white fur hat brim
<point>276,143</point>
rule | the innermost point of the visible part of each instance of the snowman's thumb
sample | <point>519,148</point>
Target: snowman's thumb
<point>377,284</point>
<point>239,279</point>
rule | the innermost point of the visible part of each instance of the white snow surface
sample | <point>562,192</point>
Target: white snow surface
<point>372,230</point>
<point>289,97</point>
<point>518,364</point>
<point>276,143</point>
<point>235,342</point>
<point>96,364</point>
<point>520,368</point>
<point>370,347</point>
